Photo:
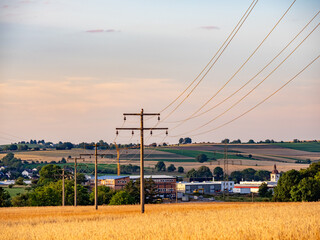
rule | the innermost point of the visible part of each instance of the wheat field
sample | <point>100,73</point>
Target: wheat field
<point>166,221</point>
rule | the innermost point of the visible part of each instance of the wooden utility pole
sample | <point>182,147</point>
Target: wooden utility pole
<point>96,178</point>
<point>118,159</point>
<point>95,173</point>
<point>75,178</point>
<point>142,128</point>
<point>63,194</point>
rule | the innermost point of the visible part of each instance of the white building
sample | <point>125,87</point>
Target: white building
<point>246,187</point>
<point>208,187</point>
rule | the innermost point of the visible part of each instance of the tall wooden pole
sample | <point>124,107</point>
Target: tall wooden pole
<point>141,164</point>
<point>142,182</point>
<point>63,194</point>
<point>75,182</point>
<point>96,179</point>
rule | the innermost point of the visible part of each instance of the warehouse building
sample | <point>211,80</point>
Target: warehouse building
<point>166,185</point>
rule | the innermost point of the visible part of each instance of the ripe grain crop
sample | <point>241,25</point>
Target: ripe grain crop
<point>165,221</point>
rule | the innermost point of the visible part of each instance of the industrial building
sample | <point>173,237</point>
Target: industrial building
<point>114,182</point>
<point>166,185</point>
<point>209,187</point>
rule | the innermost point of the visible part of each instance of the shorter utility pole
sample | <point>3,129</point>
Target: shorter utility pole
<point>63,194</point>
<point>95,173</point>
<point>118,159</point>
<point>75,178</point>
<point>142,129</point>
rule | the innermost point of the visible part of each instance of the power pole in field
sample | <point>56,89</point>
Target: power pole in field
<point>142,128</point>
<point>95,173</point>
<point>75,178</point>
<point>118,159</point>
<point>63,194</point>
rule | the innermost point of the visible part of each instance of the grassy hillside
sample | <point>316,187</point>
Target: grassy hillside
<point>236,221</point>
<point>195,153</point>
<point>308,146</point>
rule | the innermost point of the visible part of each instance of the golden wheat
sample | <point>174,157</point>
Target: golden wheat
<point>166,221</point>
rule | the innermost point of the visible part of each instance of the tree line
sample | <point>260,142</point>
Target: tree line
<point>47,191</point>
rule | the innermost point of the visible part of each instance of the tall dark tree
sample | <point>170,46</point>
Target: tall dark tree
<point>226,140</point>
<point>285,184</point>
<point>171,168</point>
<point>308,190</point>
<point>218,173</point>
<point>262,175</point>
<point>264,190</point>
<point>204,171</point>
<point>248,174</point>
<point>201,158</point>
<point>236,176</point>
<point>49,173</point>
<point>192,173</point>
<point>4,198</point>
<point>160,166</point>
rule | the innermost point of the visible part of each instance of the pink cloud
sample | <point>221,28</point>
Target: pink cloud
<point>101,30</point>
<point>95,31</point>
<point>5,6</point>
<point>210,27</point>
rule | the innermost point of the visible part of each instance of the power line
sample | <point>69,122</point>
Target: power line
<point>239,69</point>
<point>225,45</point>
<point>257,84</point>
<point>234,119</point>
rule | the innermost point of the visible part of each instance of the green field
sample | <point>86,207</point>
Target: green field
<point>195,153</point>
<point>15,190</point>
<point>308,146</point>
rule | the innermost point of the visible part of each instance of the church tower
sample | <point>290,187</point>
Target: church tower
<point>275,175</point>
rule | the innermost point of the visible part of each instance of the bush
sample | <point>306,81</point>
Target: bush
<point>202,158</point>
<point>121,198</point>
<point>171,168</point>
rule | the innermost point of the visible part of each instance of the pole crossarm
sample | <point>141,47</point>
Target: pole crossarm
<point>140,114</point>
<point>141,129</point>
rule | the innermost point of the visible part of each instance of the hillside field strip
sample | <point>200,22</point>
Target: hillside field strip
<point>164,221</point>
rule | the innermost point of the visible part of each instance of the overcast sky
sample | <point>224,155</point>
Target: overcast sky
<point>70,69</point>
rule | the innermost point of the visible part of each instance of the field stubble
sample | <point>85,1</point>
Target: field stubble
<point>165,221</point>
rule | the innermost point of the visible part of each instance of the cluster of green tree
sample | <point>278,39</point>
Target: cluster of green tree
<point>161,167</point>
<point>64,146</point>
<point>202,171</point>
<point>128,169</point>
<point>4,198</point>
<point>250,174</point>
<point>303,185</point>
<point>264,191</point>
<point>185,140</point>
<point>104,145</point>
<point>201,158</point>
<point>247,174</point>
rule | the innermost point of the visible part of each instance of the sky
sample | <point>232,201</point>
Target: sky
<point>70,69</point>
